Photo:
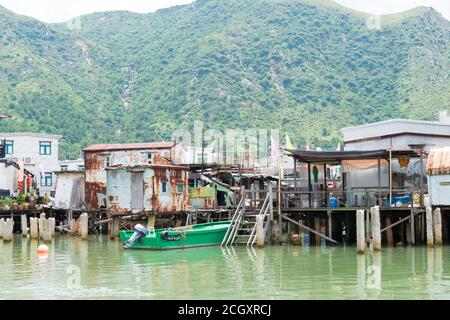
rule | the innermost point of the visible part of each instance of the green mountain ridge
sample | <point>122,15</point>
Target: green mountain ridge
<point>307,67</point>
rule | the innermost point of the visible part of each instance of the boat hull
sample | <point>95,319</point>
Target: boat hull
<point>201,235</point>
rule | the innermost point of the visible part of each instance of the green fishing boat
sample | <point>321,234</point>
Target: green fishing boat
<point>200,235</point>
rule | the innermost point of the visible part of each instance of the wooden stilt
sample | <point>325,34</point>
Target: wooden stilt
<point>437,227</point>
<point>376,228</point>
<point>360,232</point>
<point>2,227</point>
<point>151,221</point>
<point>260,231</point>
<point>8,227</point>
<point>389,233</point>
<point>84,226</point>
<point>429,222</point>
<point>52,226</point>
<point>408,233</point>
<point>46,230</point>
<point>34,231</point>
<point>417,227</point>
<point>317,228</point>
<point>24,225</point>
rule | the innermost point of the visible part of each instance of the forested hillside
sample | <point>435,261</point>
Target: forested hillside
<point>308,67</point>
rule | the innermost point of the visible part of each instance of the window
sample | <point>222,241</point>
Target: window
<point>64,167</point>
<point>45,148</point>
<point>164,186</point>
<point>149,157</point>
<point>46,179</point>
<point>9,147</point>
<point>180,188</point>
<point>107,161</point>
<point>81,167</point>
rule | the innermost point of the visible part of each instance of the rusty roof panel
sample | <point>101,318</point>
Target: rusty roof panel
<point>131,146</point>
<point>439,161</point>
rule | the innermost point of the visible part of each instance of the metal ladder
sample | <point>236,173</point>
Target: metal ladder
<point>235,223</point>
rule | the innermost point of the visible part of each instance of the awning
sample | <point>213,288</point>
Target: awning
<point>338,156</point>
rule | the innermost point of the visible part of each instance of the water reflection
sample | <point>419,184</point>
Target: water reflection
<point>105,270</point>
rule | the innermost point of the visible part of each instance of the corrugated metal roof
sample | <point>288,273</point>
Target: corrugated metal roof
<point>439,161</point>
<point>131,146</point>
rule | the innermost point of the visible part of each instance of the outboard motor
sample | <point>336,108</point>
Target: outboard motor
<point>139,232</point>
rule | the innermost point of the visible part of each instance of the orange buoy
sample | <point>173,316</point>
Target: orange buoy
<point>42,249</point>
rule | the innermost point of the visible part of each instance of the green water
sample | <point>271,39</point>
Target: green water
<point>100,269</point>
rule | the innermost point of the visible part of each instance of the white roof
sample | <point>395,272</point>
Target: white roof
<point>395,127</point>
<point>30,134</point>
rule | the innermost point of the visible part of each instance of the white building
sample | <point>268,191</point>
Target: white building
<point>400,134</point>
<point>39,152</point>
<point>71,165</point>
<point>198,155</point>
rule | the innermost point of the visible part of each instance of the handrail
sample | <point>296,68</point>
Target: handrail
<point>233,219</point>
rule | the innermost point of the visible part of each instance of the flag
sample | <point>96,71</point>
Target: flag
<point>307,146</point>
<point>289,144</point>
<point>274,150</point>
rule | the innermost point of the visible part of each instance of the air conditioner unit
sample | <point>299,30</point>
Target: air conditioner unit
<point>29,160</point>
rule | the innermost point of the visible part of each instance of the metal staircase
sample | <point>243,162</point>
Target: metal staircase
<point>242,230</point>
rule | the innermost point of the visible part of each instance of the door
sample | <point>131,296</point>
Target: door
<point>137,191</point>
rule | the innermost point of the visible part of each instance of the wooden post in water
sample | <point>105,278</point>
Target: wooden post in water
<point>34,232</point>
<point>72,226</point>
<point>46,230</point>
<point>151,221</point>
<point>41,227</point>
<point>115,226</point>
<point>84,226</point>
<point>260,231</point>
<point>376,228</point>
<point>2,226</point>
<point>8,227</point>
<point>429,222</point>
<point>437,227</point>
<point>317,228</point>
<point>52,226</point>
<point>389,233</point>
<point>24,225</point>
<point>360,232</point>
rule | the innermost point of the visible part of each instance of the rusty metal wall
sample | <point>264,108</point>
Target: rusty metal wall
<point>171,201</point>
<point>120,190</point>
<point>95,164</point>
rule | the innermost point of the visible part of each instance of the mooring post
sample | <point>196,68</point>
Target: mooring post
<point>115,227</point>
<point>46,232</point>
<point>34,228</point>
<point>41,227</point>
<point>360,232</point>
<point>52,226</point>
<point>2,226</point>
<point>376,228</point>
<point>8,227</point>
<point>429,222</point>
<point>23,225</point>
<point>260,231</point>
<point>84,226</point>
<point>437,227</point>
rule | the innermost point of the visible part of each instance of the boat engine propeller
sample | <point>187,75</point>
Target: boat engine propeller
<point>139,232</point>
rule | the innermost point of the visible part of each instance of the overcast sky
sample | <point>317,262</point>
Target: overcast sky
<point>63,10</point>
